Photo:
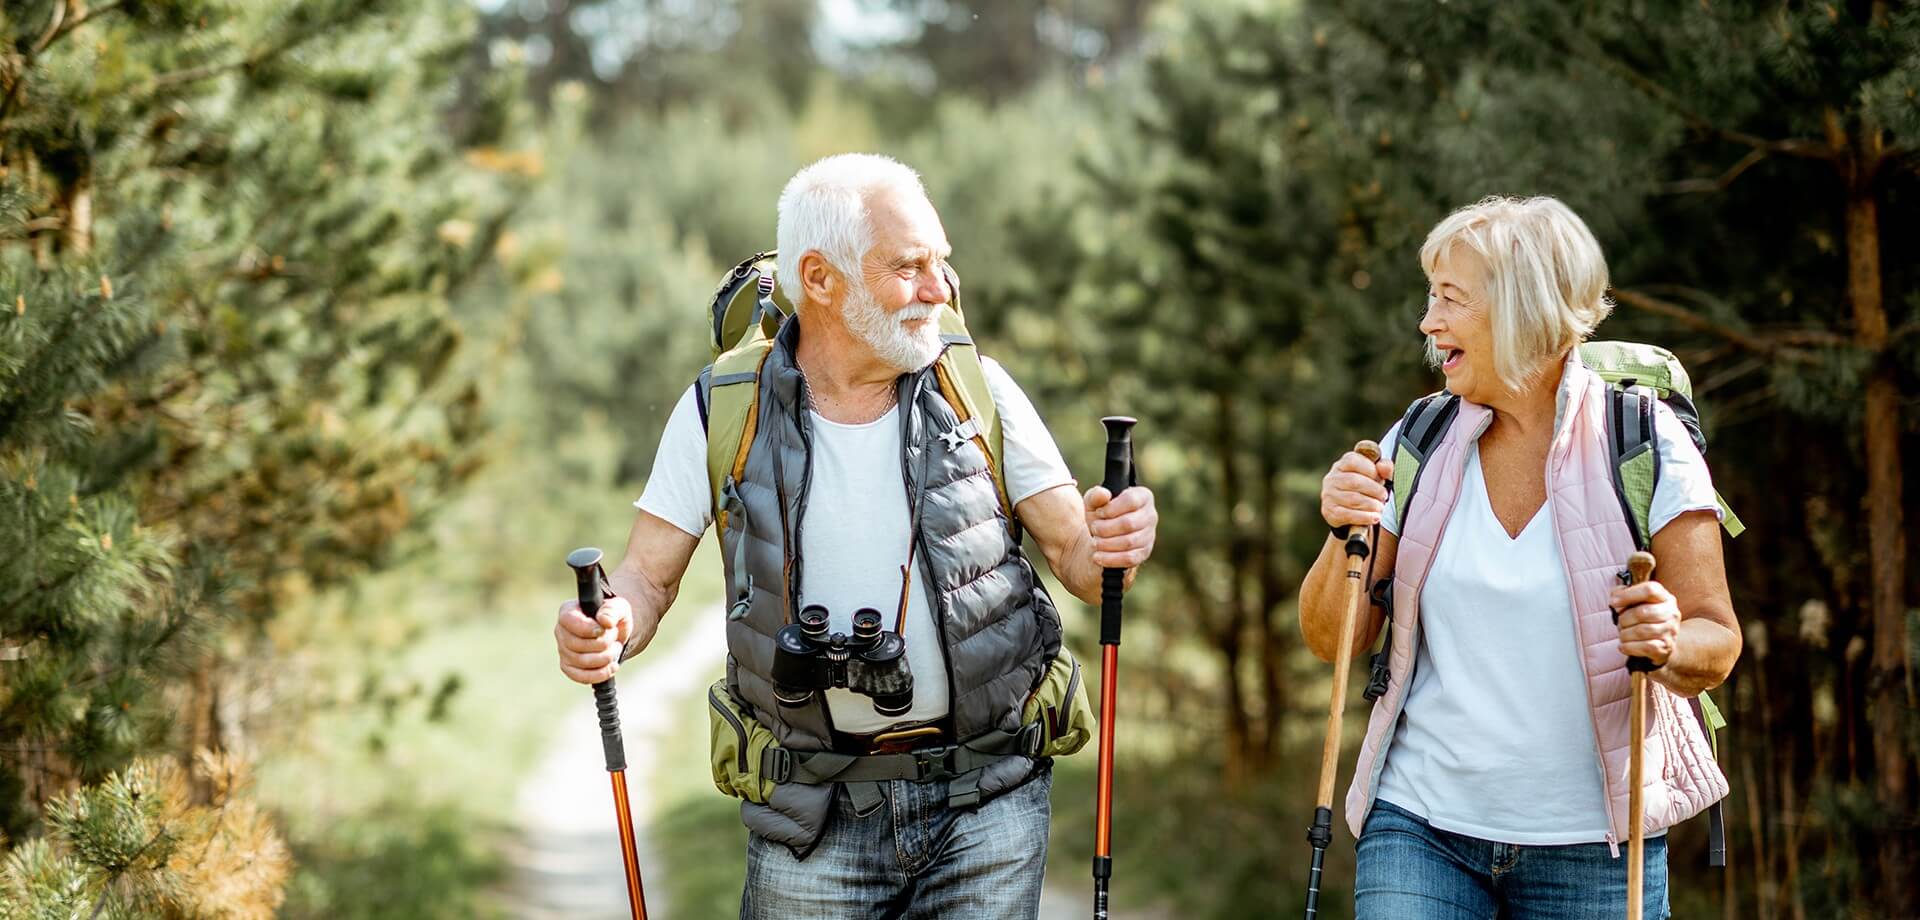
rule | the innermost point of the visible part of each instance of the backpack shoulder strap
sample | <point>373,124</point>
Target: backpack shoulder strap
<point>1421,429</point>
<point>1632,444</point>
<point>729,397</point>
<point>1635,461</point>
<point>963,382</point>
<point>702,392</point>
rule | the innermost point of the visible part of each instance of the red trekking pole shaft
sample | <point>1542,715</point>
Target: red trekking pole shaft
<point>592,582</point>
<point>1112,584</point>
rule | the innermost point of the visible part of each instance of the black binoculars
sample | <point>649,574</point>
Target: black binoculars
<point>806,660</point>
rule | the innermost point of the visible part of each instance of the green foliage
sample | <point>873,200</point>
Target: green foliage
<point>228,236</point>
<point>1282,170</point>
<point>654,55</point>
<point>146,843</point>
<point>998,48</point>
<point>435,864</point>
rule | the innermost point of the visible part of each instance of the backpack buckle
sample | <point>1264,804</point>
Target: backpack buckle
<point>932,763</point>
<point>1031,738</point>
<point>778,764</point>
<point>1377,677</point>
<point>960,434</point>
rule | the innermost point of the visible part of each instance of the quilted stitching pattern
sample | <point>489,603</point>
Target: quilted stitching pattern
<point>1681,777</point>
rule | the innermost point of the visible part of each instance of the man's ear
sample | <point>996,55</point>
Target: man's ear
<point>818,278</point>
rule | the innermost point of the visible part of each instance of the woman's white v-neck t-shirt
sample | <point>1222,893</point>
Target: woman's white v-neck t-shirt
<point>1496,740</point>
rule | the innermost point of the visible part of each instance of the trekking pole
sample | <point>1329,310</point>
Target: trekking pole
<point>1639,569</point>
<point>1321,833</point>
<point>593,588</point>
<point>1112,581</point>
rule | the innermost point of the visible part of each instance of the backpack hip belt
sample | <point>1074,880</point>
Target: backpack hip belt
<point>958,764</point>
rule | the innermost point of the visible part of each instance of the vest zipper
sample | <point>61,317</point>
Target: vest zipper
<point>1586,676</point>
<point>909,412</point>
<point>792,540</point>
<point>800,424</point>
<point>1413,648</point>
<point>1573,604</point>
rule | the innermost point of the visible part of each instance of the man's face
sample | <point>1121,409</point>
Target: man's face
<point>901,287</point>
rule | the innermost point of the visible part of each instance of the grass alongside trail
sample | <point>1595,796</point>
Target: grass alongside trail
<point>696,829</point>
<point>434,692</point>
<point>409,800</point>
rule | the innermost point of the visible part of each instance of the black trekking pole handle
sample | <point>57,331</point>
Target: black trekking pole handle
<point>1119,478</point>
<point>592,581</point>
<point>1113,583</point>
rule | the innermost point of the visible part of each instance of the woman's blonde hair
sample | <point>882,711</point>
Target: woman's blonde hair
<point>1546,278</point>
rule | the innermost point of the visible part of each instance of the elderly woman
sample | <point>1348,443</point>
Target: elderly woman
<point>1493,778</point>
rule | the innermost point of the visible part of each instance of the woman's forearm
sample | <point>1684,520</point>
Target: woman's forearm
<point>1323,596</point>
<point>1702,659</point>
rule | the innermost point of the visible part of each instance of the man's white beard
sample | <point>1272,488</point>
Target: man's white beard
<point>887,333</point>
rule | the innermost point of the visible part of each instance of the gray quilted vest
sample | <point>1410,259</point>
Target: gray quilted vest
<point>998,627</point>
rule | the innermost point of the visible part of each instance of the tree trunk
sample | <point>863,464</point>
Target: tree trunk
<point>1886,539</point>
<point>1241,741</point>
<point>1238,766</point>
<point>76,211</point>
<point>1273,648</point>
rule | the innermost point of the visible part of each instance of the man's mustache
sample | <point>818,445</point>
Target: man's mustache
<point>916,311</point>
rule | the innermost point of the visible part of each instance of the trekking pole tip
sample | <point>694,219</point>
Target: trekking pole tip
<point>1368,449</point>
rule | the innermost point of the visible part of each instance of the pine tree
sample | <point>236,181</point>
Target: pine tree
<point>228,232</point>
<point>1744,167</point>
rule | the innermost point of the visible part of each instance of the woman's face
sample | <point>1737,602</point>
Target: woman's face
<point>1459,325</point>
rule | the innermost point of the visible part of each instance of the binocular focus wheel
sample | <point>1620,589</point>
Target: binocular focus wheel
<point>793,702</point>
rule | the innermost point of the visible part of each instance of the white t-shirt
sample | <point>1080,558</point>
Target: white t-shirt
<point>1496,740</point>
<point>854,541</point>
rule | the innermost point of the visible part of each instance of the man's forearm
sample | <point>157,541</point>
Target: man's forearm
<point>1079,573</point>
<point>650,602</point>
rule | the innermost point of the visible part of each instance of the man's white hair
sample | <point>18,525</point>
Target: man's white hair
<point>824,209</point>
<point>1546,277</point>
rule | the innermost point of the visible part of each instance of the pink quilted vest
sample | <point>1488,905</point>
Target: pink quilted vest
<point>1681,777</point>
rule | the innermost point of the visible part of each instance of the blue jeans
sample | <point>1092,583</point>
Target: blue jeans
<point>1407,870</point>
<point>911,856</point>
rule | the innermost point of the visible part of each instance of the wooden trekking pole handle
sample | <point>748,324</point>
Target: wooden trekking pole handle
<point>1639,569</point>
<point>1357,550</point>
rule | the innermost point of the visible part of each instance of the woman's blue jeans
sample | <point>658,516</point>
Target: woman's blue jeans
<point>1410,871</point>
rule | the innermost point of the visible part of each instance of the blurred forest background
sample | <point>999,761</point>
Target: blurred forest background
<point>328,326</point>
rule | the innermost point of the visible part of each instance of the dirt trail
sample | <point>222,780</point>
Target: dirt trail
<point>566,862</point>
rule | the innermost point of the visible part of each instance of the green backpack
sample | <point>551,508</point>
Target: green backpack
<point>1636,375</point>
<point>747,311</point>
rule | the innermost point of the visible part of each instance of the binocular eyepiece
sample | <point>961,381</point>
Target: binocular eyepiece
<point>807,658</point>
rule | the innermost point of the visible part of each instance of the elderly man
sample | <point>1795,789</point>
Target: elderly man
<point>858,494</point>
